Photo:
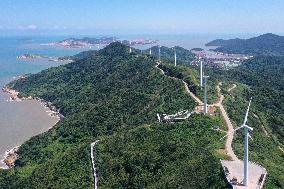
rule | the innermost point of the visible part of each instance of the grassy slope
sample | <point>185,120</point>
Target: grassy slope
<point>115,97</point>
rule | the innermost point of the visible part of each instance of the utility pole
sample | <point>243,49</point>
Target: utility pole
<point>201,72</point>
<point>175,57</point>
<point>205,95</point>
<point>159,53</point>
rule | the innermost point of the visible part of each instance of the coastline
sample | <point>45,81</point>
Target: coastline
<point>10,158</point>
<point>11,155</point>
<point>52,110</point>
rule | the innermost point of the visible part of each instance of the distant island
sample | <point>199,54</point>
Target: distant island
<point>266,44</point>
<point>88,42</point>
<point>31,56</point>
<point>197,49</point>
<point>39,56</point>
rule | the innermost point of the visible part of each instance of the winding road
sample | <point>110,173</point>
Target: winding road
<point>230,132</point>
<point>94,164</point>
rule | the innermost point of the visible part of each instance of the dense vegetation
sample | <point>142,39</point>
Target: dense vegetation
<point>267,44</point>
<point>114,96</point>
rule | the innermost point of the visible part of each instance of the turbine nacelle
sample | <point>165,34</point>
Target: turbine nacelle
<point>248,127</point>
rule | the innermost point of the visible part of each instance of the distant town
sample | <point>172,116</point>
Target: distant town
<point>218,59</point>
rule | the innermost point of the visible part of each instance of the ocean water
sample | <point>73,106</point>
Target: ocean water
<point>19,121</point>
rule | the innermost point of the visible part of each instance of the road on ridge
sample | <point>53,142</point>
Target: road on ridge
<point>195,98</point>
<point>230,132</point>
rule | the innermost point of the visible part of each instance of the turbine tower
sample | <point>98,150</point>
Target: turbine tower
<point>130,47</point>
<point>247,130</point>
<point>175,56</point>
<point>150,51</point>
<point>247,135</point>
<point>205,94</point>
<point>159,53</point>
<point>201,72</point>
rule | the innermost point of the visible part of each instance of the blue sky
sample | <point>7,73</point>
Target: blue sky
<point>141,16</point>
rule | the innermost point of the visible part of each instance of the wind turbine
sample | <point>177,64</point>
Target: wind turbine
<point>205,94</point>
<point>159,53</point>
<point>130,47</point>
<point>150,51</point>
<point>247,130</point>
<point>201,72</point>
<point>175,56</point>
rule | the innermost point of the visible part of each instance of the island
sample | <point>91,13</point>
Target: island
<point>31,56</point>
<point>197,49</point>
<point>49,58</point>
<point>88,42</point>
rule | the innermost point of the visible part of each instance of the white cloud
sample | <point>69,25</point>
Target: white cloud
<point>27,27</point>
<point>57,27</point>
<point>31,27</point>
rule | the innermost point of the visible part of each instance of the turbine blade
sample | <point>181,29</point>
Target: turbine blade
<point>239,128</point>
<point>246,116</point>
<point>249,128</point>
<point>250,136</point>
<point>223,137</point>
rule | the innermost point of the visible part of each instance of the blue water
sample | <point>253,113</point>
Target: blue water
<point>21,120</point>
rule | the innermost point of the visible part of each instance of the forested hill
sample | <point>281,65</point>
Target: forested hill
<point>266,44</point>
<point>113,95</point>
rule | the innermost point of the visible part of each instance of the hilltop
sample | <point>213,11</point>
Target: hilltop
<point>113,95</point>
<point>266,44</point>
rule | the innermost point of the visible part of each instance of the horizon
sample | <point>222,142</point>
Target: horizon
<point>89,17</point>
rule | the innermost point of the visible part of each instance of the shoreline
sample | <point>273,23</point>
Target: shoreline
<point>10,158</point>
<point>11,155</point>
<point>52,110</point>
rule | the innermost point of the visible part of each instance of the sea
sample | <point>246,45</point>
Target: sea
<point>19,121</point>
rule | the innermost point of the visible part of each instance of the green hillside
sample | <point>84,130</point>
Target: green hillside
<point>114,96</point>
<point>266,44</point>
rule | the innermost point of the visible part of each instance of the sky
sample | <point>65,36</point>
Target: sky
<point>140,16</point>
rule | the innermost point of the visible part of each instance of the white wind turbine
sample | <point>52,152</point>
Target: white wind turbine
<point>175,55</point>
<point>205,77</point>
<point>150,51</point>
<point>159,53</point>
<point>201,72</point>
<point>247,130</point>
